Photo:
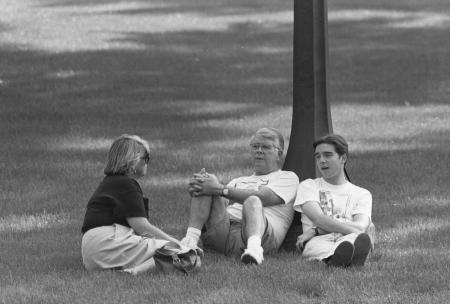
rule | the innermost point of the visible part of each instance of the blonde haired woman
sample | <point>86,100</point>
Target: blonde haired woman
<point>116,231</point>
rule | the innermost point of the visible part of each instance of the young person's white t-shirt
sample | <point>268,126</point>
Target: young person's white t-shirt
<point>340,202</point>
<point>282,183</point>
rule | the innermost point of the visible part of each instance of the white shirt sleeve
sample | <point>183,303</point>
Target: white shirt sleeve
<point>284,185</point>
<point>307,191</point>
<point>363,204</point>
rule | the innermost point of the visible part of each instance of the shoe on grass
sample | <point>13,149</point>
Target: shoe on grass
<point>252,256</point>
<point>343,255</point>
<point>362,248</point>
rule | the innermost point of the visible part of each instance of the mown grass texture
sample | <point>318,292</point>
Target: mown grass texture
<point>196,83</point>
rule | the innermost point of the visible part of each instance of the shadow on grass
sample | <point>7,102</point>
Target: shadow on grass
<point>47,250</point>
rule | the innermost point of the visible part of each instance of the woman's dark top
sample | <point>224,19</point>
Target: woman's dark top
<point>116,198</point>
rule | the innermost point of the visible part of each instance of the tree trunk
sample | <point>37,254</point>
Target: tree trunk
<point>311,117</point>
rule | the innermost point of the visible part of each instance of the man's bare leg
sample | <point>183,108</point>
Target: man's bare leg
<point>199,211</point>
<point>205,210</point>
<point>254,224</point>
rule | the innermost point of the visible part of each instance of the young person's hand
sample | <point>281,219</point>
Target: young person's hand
<point>303,238</point>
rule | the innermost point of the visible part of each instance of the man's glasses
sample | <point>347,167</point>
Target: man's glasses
<point>263,147</point>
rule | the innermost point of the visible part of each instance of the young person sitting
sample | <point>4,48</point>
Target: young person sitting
<point>336,214</point>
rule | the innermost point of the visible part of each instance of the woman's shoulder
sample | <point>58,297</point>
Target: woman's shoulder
<point>121,183</point>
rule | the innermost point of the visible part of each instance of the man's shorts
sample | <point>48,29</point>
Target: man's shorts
<point>227,236</point>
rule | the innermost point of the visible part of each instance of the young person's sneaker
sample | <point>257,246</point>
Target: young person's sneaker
<point>342,256</point>
<point>362,248</point>
<point>252,256</point>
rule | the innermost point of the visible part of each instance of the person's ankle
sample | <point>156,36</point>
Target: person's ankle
<point>254,242</point>
<point>193,234</point>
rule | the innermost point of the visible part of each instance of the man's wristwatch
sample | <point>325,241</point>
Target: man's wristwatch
<point>225,191</point>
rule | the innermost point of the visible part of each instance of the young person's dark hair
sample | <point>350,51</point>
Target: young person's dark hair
<point>339,143</point>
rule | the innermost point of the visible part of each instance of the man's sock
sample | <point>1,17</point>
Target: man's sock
<point>254,242</point>
<point>192,237</point>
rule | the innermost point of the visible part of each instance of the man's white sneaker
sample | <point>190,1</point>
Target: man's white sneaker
<point>253,256</point>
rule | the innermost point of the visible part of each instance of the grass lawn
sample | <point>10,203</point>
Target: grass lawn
<point>196,78</point>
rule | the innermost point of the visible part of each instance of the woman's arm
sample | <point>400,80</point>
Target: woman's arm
<point>143,227</point>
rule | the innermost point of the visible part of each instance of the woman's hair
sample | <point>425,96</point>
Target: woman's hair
<point>125,153</point>
<point>339,143</point>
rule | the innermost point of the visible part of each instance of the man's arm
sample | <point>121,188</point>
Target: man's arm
<point>267,196</point>
<point>312,210</point>
<point>209,185</point>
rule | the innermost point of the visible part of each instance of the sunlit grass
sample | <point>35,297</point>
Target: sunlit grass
<point>88,27</point>
<point>33,222</point>
<point>403,128</point>
<point>196,78</point>
<point>394,18</point>
<point>83,144</point>
<point>414,228</point>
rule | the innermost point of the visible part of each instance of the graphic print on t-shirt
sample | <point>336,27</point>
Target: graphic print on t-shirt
<point>331,208</point>
<point>326,202</point>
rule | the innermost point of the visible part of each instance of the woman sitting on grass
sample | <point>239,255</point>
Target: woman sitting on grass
<point>116,231</point>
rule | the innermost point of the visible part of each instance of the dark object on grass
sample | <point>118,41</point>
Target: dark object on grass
<point>171,258</point>
<point>342,256</point>
<point>362,248</point>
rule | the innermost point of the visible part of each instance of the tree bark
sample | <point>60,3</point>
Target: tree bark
<point>311,117</point>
